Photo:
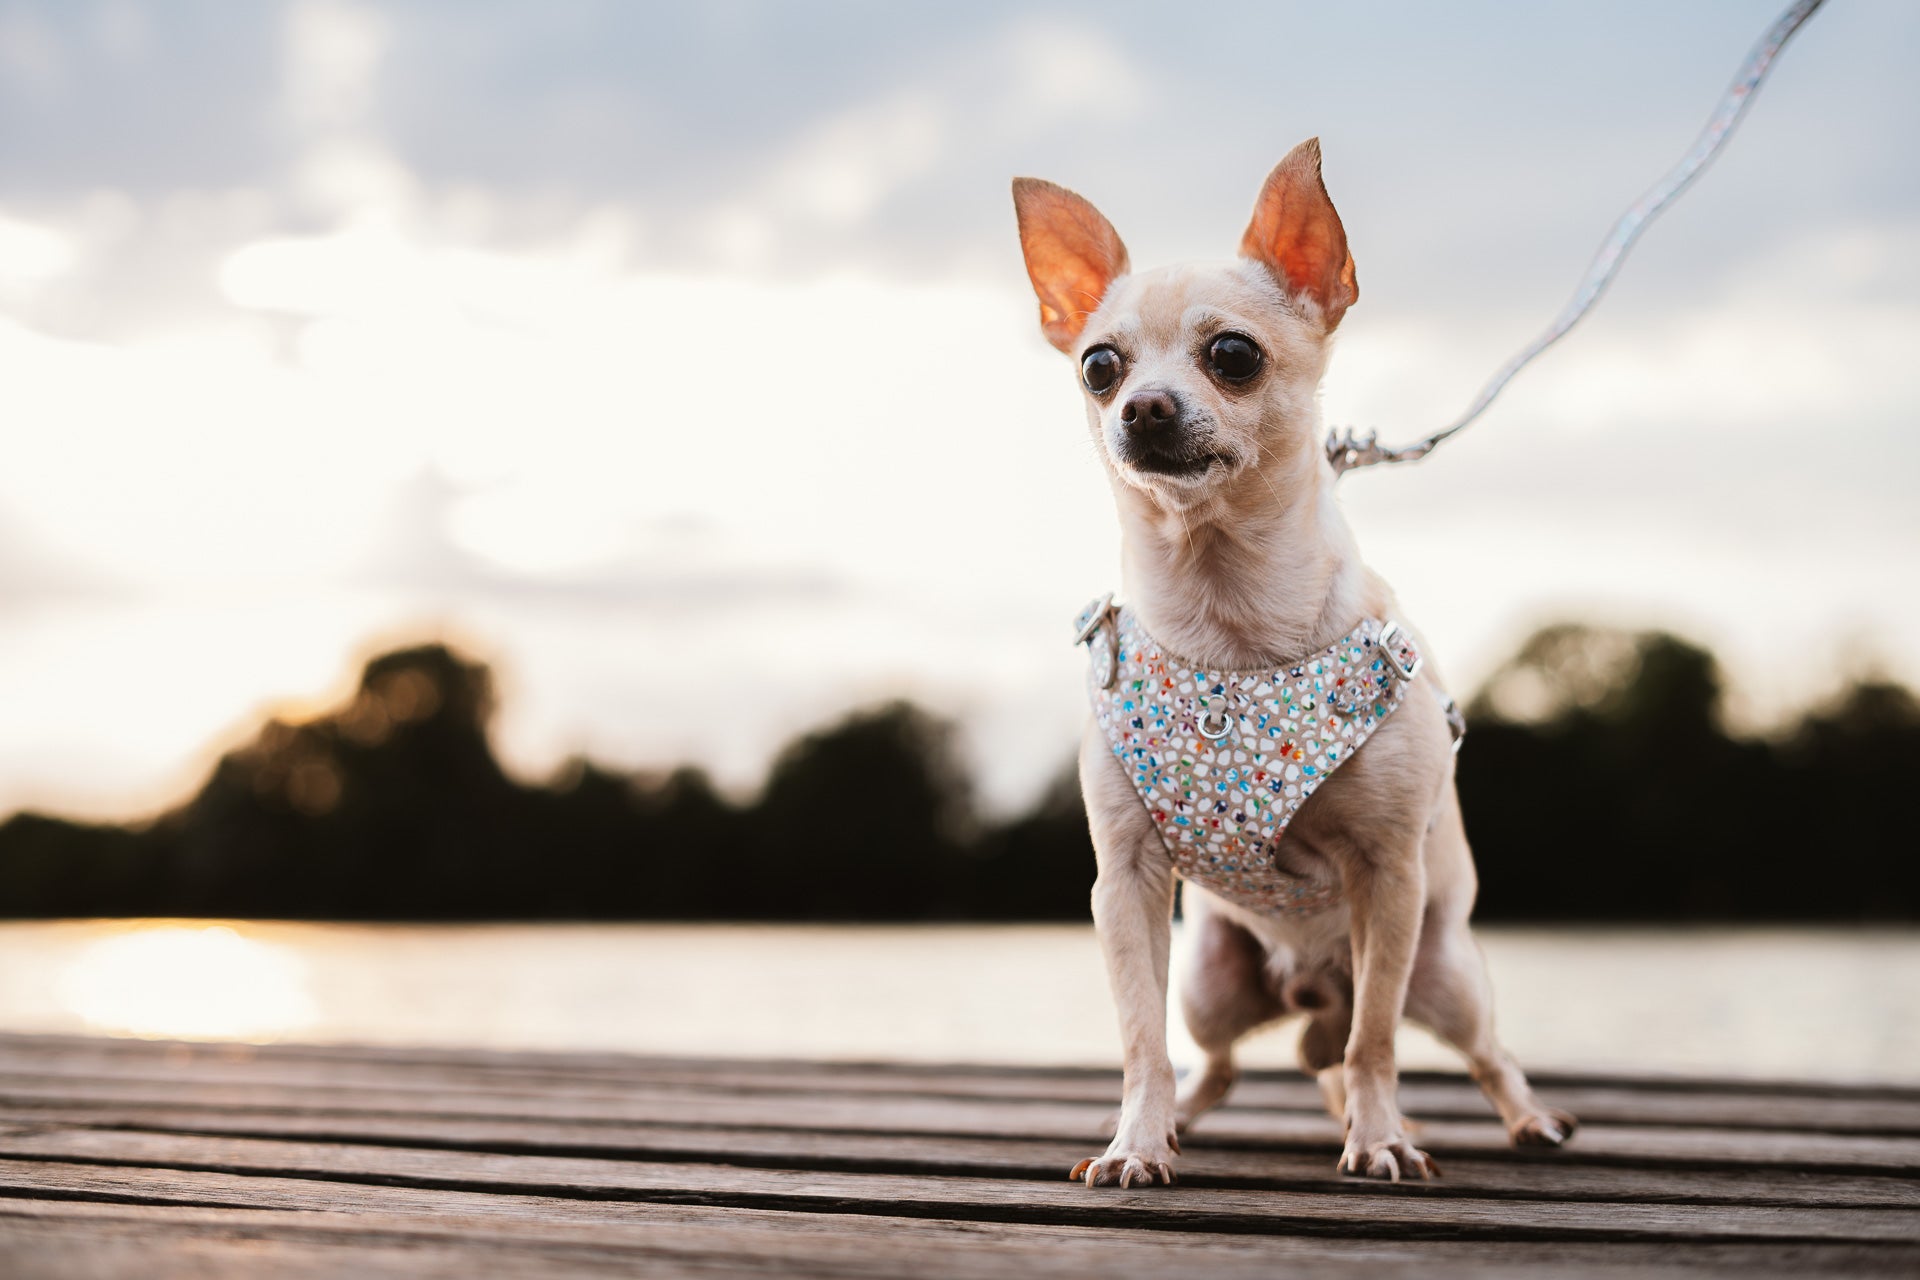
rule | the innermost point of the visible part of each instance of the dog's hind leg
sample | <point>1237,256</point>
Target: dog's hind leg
<point>1322,1051</point>
<point>1450,995</point>
<point>1225,992</point>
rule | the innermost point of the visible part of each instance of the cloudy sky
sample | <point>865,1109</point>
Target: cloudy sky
<point>679,359</point>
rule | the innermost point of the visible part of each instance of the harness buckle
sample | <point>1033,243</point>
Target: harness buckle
<point>1097,616</point>
<point>1408,668</point>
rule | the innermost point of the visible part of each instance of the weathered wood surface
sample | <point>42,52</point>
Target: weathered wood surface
<point>121,1157</point>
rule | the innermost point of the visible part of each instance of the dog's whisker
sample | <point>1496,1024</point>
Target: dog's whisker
<point>1261,447</point>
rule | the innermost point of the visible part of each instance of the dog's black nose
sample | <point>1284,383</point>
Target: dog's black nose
<point>1148,411</point>
<point>1159,434</point>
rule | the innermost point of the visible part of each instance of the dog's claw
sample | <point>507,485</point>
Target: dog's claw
<point>1550,1129</point>
<point>1394,1159</point>
<point>1123,1171</point>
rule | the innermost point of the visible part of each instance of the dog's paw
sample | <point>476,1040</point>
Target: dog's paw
<point>1126,1169</point>
<point>1392,1158</point>
<point>1546,1128</point>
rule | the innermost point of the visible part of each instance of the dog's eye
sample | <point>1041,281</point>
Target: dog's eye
<point>1100,369</point>
<point>1233,357</point>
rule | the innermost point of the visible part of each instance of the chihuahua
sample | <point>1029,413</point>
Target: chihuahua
<point>1200,385</point>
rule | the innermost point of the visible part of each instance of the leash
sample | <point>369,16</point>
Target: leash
<point>1349,450</point>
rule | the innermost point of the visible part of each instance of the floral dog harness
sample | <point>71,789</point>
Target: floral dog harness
<point>1224,759</point>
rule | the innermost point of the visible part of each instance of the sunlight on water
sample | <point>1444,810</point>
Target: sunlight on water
<point>1839,1004</point>
<point>190,980</point>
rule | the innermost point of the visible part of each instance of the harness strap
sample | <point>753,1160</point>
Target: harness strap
<point>1094,627</point>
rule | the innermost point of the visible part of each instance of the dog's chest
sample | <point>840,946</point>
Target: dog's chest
<point>1223,760</point>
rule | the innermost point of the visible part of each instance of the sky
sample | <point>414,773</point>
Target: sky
<point>679,360</point>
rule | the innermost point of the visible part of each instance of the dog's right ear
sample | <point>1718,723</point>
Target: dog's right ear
<point>1073,254</point>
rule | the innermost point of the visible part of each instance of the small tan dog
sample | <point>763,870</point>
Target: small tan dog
<point>1201,387</point>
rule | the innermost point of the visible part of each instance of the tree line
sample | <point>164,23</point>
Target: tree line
<point>1598,779</point>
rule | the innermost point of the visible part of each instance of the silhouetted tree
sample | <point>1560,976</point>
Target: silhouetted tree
<point>1038,866</point>
<point>1839,843</point>
<point>862,820</point>
<point>1599,783</point>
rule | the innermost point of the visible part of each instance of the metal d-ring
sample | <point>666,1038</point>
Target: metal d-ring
<point>1211,734</point>
<point>1101,617</point>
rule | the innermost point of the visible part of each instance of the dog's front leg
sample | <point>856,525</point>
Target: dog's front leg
<point>1132,911</point>
<point>1387,899</point>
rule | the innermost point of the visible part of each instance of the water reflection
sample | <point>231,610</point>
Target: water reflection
<point>190,980</point>
<point>1815,1004</point>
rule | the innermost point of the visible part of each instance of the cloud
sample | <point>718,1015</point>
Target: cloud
<point>1803,334</point>
<point>440,543</point>
<point>1064,70</point>
<point>333,52</point>
<point>30,54</point>
<point>31,253</point>
<point>34,573</point>
<point>846,166</point>
<point>599,328</point>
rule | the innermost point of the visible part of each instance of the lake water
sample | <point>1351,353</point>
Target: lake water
<point>1759,1003</point>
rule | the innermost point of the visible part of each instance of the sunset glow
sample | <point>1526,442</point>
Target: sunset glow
<point>189,981</point>
<point>791,415</point>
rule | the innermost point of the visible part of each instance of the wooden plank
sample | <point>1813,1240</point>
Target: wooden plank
<point>1696,1148</point>
<point>1383,1209</point>
<point>158,1159</point>
<point>434,1233</point>
<point>631,1065</point>
<point>1035,1158</point>
<point>627,1062</point>
<point>1067,1083</point>
<point>1425,1096</point>
<point>64,1250</point>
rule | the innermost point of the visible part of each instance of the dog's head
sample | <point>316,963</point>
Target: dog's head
<point>1195,375</point>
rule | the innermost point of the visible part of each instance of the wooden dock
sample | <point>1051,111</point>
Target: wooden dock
<point>136,1158</point>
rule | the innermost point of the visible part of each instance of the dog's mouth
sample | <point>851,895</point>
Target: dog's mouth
<point>1176,466</point>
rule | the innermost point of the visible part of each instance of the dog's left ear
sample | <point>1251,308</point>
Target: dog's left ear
<point>1073,254</point>
<point>1297,234</point>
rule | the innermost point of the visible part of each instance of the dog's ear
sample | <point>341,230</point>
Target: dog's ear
<point>1296,233</point>
<point>1073,254</point>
